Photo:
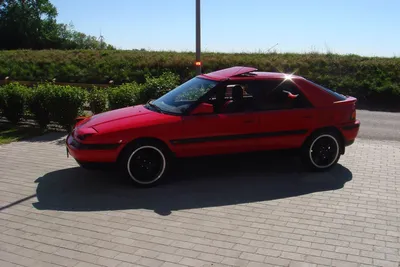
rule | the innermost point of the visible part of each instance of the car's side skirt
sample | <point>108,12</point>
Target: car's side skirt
<point>236,137</point>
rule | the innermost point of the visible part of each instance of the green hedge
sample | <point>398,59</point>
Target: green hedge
<point>98,99</point>
<point>124,95</point>
<point>66,104</point>
<point>40,103</point>
<point>142,75</point>
<point>154,87</point>
<point>48,102</point>
<point>13,100</point>
<point>372,80</point>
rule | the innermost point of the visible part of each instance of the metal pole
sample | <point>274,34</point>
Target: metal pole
<point>198,40</point>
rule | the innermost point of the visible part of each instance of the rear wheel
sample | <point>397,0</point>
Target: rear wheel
<point>146,163</point>
<point>321,151</point>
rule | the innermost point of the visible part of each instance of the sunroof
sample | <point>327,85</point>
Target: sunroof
<point>247,74</point>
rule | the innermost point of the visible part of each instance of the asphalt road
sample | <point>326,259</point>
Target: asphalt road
<point>379,125</point>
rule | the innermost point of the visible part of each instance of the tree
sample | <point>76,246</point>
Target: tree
<point>72,39</point>
<point>27,24</point>
<point>31,24</point>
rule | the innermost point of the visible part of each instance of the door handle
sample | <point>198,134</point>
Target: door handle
<point>248,121</point>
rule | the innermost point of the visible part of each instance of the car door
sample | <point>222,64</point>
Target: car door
<point>218,133</point>
<point>286,116</point>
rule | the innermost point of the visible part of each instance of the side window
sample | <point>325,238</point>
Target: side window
<point>257,95</point>
<point>284,95</point>
<point>238,97</point>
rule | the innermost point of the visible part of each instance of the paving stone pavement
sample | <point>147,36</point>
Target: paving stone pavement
<point>215,213</point>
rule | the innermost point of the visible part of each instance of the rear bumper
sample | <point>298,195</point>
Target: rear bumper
<point>100,153</point>
<point>350,132</point>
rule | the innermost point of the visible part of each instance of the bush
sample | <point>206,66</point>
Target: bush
<point>66,104</point>
<point>154,87</point>
<point>13,101</point>
<point>2,102</point>
<point>98,99</point>
<point>364,77</point>
<point>40,102</point>
<point>124,95</point>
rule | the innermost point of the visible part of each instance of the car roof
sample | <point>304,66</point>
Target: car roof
<point>227,73</point>
<point>274,75</point>
<point>240,71</point>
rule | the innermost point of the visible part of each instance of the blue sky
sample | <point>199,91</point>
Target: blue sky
<point>363,27</point>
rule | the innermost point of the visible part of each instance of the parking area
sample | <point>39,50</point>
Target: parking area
<point>260,210</point>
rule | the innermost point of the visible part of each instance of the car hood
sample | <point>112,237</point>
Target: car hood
<point>115,115</point>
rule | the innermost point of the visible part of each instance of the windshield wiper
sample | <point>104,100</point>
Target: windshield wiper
<point>150,103</point>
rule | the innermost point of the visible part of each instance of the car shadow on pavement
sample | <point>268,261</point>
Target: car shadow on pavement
<point>196,183</point>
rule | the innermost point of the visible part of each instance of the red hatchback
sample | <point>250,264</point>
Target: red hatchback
<point>232,110</point>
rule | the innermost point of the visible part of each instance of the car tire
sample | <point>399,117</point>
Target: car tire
<point>146,163</point>
<point>321,151</point>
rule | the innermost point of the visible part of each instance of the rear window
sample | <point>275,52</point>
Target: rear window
<point>329,91</point>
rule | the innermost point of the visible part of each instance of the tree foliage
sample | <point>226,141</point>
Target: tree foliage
<point>31,24</point>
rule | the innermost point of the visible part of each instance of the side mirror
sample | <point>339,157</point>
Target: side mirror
<point>203,108</point>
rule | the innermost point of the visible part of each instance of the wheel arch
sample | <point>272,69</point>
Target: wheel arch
<point>328,129</point>
<point>148,140</point>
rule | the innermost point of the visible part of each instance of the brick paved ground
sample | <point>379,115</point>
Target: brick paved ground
<point>57,214</point>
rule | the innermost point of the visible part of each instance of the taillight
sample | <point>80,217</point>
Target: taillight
<point>353,115</point>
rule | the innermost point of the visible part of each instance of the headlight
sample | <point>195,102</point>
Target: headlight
<point>83,136</point>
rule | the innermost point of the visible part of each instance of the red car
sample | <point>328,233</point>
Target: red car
<point>232,110</point>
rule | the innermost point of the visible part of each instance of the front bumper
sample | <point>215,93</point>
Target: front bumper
<point>92,152</point>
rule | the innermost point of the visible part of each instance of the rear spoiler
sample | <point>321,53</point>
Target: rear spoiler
<point>347,100</point>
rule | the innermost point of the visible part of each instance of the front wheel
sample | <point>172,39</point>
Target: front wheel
<point>322,151</point>
<point>145,164</point>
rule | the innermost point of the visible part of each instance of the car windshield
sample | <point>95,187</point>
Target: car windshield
<point>179,99</point>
